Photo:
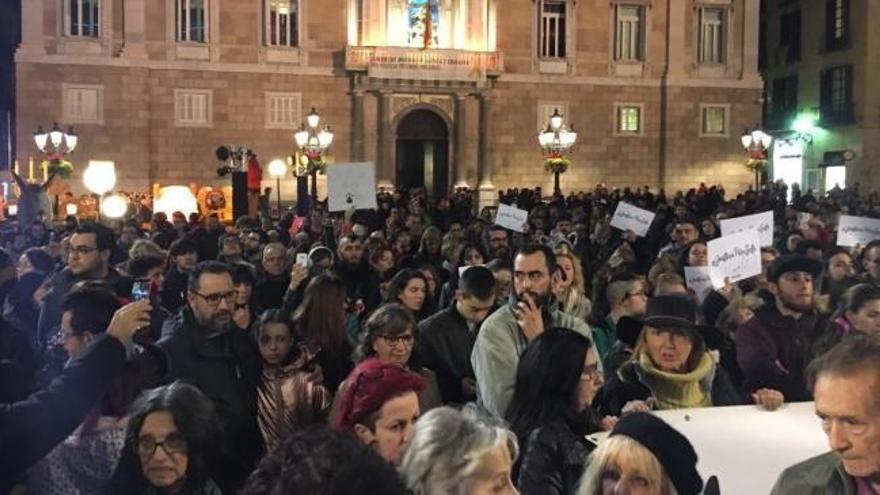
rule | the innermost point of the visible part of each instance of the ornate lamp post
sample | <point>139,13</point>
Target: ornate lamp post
<point>756,143</point>
<point>56,144</point>
<point>556,141</point>
<point>314,144</point>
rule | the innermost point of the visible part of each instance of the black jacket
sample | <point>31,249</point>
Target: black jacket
<point>444,345</point>
<point>173,289</point>
<point>269,292</point>
<point>226,367</point>
<point>553,460</point>
<point>30,428</point>
<point>626,386</point>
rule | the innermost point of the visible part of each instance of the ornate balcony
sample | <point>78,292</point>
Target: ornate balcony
<point>395,62</point>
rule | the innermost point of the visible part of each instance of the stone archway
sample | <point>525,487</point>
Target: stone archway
<point>422,151</point>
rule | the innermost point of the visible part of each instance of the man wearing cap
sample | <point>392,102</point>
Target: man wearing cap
<point>773,348</point>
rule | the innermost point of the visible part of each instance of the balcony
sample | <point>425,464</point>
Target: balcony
<point>395,62</point>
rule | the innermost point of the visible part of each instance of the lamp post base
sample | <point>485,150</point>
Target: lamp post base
<point>557,191</point>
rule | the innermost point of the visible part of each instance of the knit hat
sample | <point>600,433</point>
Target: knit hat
<point>674,452</point>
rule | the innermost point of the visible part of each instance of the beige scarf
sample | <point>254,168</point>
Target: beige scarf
<point>678,390</point>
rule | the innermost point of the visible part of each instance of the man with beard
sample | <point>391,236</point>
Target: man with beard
<point>499,244</point>
<point>506,333</point>
<point>206,349</point>
<point>773,348</point>
<point>350,267</point>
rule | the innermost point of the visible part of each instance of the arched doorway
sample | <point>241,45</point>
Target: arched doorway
<point>423,151</point>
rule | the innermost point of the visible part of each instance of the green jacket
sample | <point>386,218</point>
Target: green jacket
<point>496,353</point>
<point>821,475</point>
<point>604,335</point>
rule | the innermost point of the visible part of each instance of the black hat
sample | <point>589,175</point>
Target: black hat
<point>671,448</point>
<point>791,263</point>
<point>673,310</point>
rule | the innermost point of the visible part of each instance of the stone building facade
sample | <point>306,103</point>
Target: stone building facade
<point>658,90</point>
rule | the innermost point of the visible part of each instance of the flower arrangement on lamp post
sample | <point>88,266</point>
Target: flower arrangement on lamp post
<point>314,144</point>
<point>556,140</point>
<point>756,143</point>
<point>56,145</point>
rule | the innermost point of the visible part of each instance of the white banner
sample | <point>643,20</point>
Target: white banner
<point>762,222</point>
<point>629,217</point>
<point>857,230</point>
<point>698,280</point>
<point>511,218</point>
<point>737,256</point>
<point>351,185</point>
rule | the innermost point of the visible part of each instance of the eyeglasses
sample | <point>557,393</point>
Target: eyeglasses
<point>393,340</point>
<point>591,373</point>
<point>61,337</point>
<point>214,299</point>
<point>174,443</point>
<point>82,250</point>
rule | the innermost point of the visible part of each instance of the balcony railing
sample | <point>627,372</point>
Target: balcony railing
<point>393,62</point>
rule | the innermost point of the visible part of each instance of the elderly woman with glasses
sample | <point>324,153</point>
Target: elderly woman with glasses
<point>171,445</point>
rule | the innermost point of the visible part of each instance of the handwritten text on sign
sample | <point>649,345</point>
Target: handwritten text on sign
<point>762,222</point>
<point>698,280</point>
<point>737,256</point>
<point>628,217</point>
<point>511,218</point>
<point>857,230</point>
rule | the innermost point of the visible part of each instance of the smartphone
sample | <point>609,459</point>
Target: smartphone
<point>302,259</point>
<point>140,290</point>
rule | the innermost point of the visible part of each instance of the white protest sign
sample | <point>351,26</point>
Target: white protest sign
<point>857,230</point>
<point>629,217</point>
<point>698,280</point>
<point>803,220</point>
<point>763,443</point>
<point>737,256</point>
<point>351,185</point>
<point>762,222</point>
<point>511,218</point>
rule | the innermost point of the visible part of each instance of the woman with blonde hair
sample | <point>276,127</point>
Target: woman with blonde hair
<point>642,455</point>
<point>570,290</point>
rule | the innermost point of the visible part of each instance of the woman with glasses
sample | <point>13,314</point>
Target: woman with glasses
<point>556,380</point>
<point>171,446</point>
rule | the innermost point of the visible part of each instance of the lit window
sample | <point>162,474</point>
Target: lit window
<point>714,120</point>
<point>423,17</point>
<point>711,36</point>
<point>282,17</point>
<point>629,119</point>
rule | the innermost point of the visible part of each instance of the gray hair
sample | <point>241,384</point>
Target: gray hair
<point>145,247</point>
<point>448,447</point>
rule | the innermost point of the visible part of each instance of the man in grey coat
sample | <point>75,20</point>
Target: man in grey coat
<point>506,333</point>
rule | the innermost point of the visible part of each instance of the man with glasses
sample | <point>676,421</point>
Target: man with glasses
<point>206,349</point>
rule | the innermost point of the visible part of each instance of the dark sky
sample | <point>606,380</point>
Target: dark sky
<point>10,36</point>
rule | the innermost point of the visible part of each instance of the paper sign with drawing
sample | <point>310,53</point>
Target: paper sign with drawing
<point>351,185</point>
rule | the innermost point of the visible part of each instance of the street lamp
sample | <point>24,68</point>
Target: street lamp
<point>756,143</point>
<point>556,140</point>
<point>314,144</point>
<point>55,144</point>
<point>277,169</point>
<point>100,177</point>
<point>114,206</point>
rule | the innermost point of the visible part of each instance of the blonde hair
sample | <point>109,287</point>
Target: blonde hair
<point>576,302</point>
<point>615,449</point>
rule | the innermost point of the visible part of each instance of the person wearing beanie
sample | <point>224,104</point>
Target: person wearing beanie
<point>642,449</point>
<point>774,347</point>
<point>671,367</point>
<point>380,407</point>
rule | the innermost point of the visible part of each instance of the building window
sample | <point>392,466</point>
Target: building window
<point>192,107</point>
<point>424,17</point>
<point>283,110</point>
<point>837,25</point>
<point>629,118</point>
<point>712,36</point>
<point>552,29</point>
<point>713,120</point>
<point>192,20</point>
<point>282,22</point>
<point>82,103</point>
<point>628,33</point>
<point>836,96</point>
<point>790,37</point>
<point>784,102</point>
<point>84,18</point>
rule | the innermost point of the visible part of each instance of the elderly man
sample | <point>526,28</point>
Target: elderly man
<point>773,348</point>
<point>275,277</point>
<point>846,385</point>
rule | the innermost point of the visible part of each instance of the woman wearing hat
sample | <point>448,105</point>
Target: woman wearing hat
<point>643,454</point>
<point>670,367</point>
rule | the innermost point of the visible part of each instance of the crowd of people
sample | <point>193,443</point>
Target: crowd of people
<point>419,348</point>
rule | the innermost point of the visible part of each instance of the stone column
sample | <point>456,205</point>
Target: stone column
<point>677,29</point>
<point>384,167</point>
<point>32,28</point>
<point>134,29</point>
<point>457,168</point>
<point>357,125</point>
<point>751,15</point>
<point>486,190</point>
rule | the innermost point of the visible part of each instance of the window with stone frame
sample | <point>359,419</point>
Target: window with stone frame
<point>193,107</point>
<point>192,20</point>
<point>83,18</point>
<point>551,28</point>
<point>628,119</point>
<point>712,35</point>
<point>283,110</point>
<point>629,33</point>
<point>82,103</point>
<point>714,120</point>
<point>282,22</point>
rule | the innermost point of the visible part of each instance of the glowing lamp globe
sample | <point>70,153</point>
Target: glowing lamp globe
<point>71,208</point>
<point>176,198</point>
<point>100,176</point>
<point>114,206</point>
<point>277,168</point>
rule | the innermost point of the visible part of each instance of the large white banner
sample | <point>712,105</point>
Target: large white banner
<point>762,222</point>
<point>736,256</point>
<point>857,230</point>
<point>629,217</point>
<point>351,185</point>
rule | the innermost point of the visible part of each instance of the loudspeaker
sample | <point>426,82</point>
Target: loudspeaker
<point>239,195</point>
